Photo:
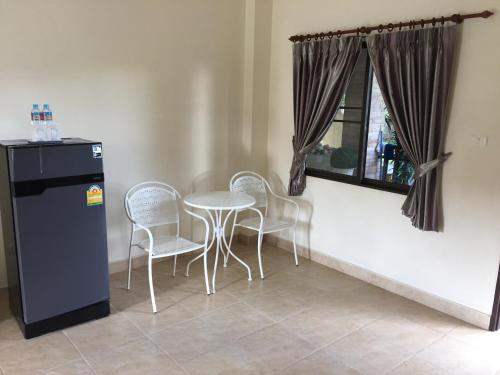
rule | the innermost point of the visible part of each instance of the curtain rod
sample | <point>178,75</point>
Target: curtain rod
<point>457,18</point>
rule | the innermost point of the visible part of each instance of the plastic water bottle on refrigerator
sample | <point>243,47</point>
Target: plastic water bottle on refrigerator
<point>52,132</point>
<point>36,121</point>
<point>47,114</point>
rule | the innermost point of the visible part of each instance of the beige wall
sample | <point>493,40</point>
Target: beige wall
<point>180,90</point>
<point>158,82</point>
<point>364,226</point>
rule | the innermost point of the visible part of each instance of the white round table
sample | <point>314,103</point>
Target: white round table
<point>218,202</point>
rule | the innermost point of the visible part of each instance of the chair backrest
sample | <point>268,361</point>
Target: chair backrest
<point>252,184</point>
<point>152,204</point>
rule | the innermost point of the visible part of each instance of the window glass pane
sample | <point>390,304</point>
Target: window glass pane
<point>385,159</point>
<point>339,149</point>
<point>349,114</point>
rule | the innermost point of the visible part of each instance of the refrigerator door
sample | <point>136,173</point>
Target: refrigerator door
<point>62,251</point>
<point>43,162</point>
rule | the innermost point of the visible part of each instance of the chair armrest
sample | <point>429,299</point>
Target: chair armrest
<point>150,235</point>
<point>261,217</point>
<point>207,226</point>
<point>288,200</point>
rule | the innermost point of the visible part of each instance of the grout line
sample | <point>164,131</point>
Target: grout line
<point>332,342</point>
<point>148,337</point>
<point>239,300</point>
<point>415,354</point>
<point>81,354</point>
<point>204,314</point>
<point>276,322</point>
<point>402,315</point>
<point>64,364</point>
<point>195,317</point>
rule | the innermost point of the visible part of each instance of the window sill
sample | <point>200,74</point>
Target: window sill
<point>353,180</point>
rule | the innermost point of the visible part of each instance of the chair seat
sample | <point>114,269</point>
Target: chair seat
<point>170,245</point>
<point>269,225</point>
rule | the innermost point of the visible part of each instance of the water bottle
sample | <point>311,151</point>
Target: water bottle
<point>47,114</point>
<point>38,130</point>
<point>51,128</point>
<point>35,115</point>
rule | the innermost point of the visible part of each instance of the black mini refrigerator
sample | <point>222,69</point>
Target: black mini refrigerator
<point>54,228</point>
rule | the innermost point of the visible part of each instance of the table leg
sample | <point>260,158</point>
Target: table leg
<point>217,231</point>
<point>208,248</point>
<point>228,248</point>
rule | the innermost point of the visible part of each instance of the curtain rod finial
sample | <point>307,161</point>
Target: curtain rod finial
<point>486,14</point>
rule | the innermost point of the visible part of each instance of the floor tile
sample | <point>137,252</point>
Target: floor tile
<point>320,363</point>
<point>207,333</point>
<point>78,367</point>
<point>189,340</point>
<point>10,333</point>
<point>458,357</point>
<point>278,304</point>
<point>274,347</point>
<point>169,313</point>
<point>94,337</point>
<point>427,317</point>
<point>381,346</point>
<point>321,325</point>
<point>476,336</point>
<point>200,303</point>
<point>244,288</point>
<point>140,356</point>
<point>226,360</point>
<point>121,298</point>
<point>417,366</point>
<point>298,320</point>
<point>40,353</point>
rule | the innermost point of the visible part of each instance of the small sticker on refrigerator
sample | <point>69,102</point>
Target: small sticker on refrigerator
<point>94,196</point>
<point>97,151</point>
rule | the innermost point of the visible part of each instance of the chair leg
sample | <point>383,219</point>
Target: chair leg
<point>215,265</point>
<point>130,260</point>
<point>205,269</point>
<point>295,248</point>
<point>259,246</point>
<point>231,238</point>
<point>175,265</point>
<point>189,264</point>
<point>151,287</point>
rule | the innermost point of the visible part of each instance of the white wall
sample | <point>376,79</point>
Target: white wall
<point>158,82</point>
<point>364,226</point>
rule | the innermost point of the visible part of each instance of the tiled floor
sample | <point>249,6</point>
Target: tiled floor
<point>305,320</point>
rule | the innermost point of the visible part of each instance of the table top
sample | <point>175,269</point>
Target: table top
<point>219,200</point>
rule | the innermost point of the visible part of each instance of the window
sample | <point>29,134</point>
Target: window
<point>361,146</point>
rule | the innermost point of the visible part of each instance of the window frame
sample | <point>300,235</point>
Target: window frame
<point>360,179</point>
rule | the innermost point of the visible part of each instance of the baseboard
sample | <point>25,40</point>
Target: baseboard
<point>122,265</point>
<point>137,262</point>
<point>443,305</point>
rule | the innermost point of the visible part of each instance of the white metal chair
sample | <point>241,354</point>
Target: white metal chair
<point>257,186</point>
<point>154,204</point>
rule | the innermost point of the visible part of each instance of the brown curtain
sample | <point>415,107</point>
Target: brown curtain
<point>321,72</point>
<point>413,69</point>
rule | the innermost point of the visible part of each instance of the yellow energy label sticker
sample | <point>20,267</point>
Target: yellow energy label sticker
<point>94,195</point>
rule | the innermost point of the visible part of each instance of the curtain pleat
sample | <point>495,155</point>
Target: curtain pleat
<point>321,72</point>
<point>414,69</point>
